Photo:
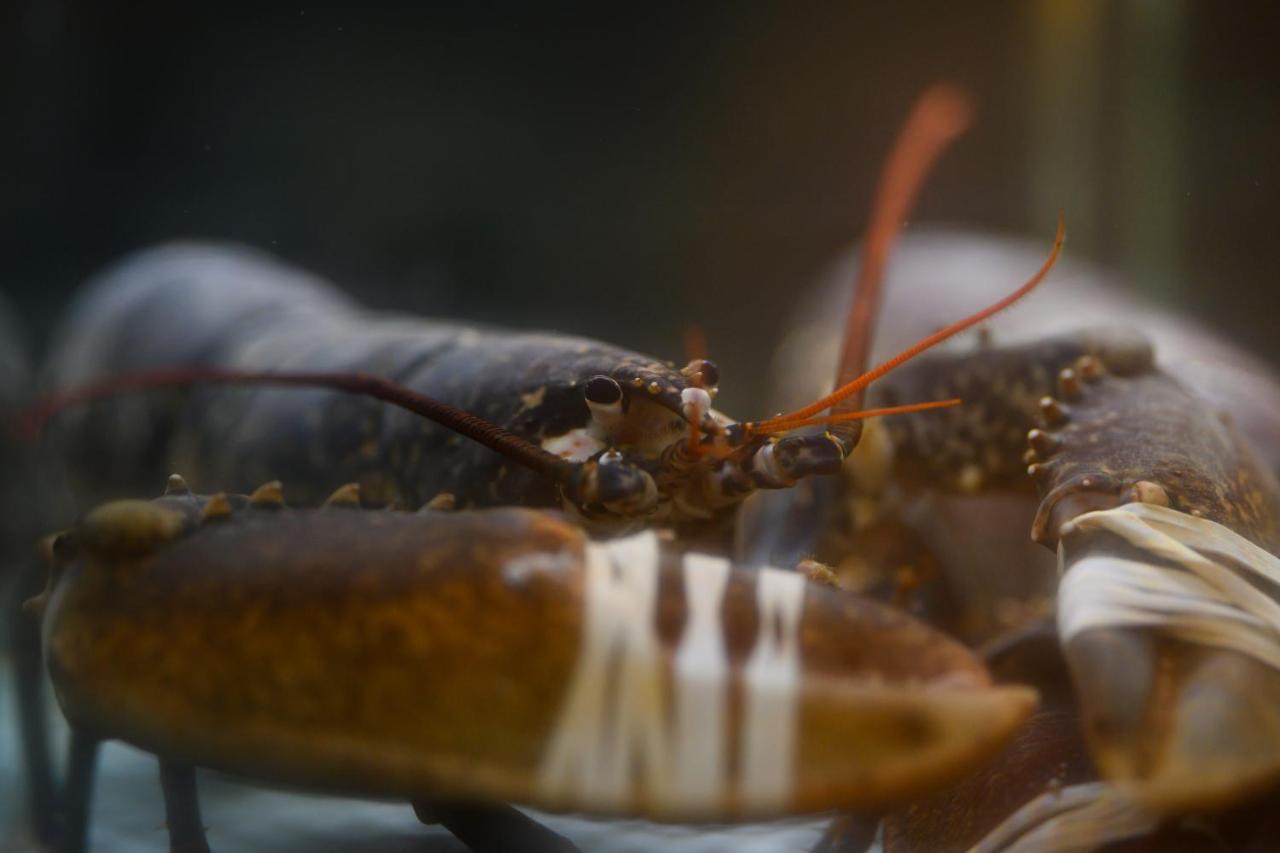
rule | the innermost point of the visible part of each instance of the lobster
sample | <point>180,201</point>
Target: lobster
<point>607,434</point>
<point>615,437</point>
<point>616,677</point>
<point>1145,460</point>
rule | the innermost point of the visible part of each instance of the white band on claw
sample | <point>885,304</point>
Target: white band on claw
<point>1200,585</point>
<point>632,732</point>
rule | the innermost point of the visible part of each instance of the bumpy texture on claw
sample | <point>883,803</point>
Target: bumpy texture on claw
<point>947,490</point>
<point>1190,719</point>
<point>501,656</point>
<point>980,443</point>
<point>1127,435</point>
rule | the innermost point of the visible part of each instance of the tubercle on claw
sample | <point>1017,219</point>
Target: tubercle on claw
<point>1083,456</point>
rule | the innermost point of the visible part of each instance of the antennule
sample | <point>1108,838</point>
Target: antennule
<point>853,387</point>
<point>939,116</point>
<point>861,414</point>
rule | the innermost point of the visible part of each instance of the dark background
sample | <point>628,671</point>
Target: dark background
<point>623,171</point>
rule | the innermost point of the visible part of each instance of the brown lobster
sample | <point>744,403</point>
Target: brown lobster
<point>681,462</point>
<point>1146,460</point>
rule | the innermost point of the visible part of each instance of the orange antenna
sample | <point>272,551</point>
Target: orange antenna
<point>941,114</point>
<point>862,414</point>
<point>695,341</point>
<point>787,421</point>
<point>703,374</point>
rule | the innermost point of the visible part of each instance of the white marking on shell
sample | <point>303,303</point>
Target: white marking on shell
<point>614,708</point>
<point>700,740</point>
<point>1205,597</point>
<point>620,738</point>
<point>533,399</point>
<point>520,570</point>
<point>770,682</point>
<point>576,445</point>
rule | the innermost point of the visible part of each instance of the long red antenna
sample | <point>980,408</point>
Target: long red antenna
<point>940,115</point>
<point>863,414</point>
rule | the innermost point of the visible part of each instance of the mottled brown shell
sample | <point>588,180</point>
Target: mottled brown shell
<point>1195,726</point>
<point>1108,439</point>
<point>429,655</point>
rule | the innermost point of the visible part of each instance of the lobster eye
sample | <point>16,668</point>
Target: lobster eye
<point>603,391</point>
<point>703,372</point>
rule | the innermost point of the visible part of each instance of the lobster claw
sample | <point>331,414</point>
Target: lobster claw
<point>1194,729</point>
<point>1168,610</point>
<point>1174,643</point>
<point>618,677</point>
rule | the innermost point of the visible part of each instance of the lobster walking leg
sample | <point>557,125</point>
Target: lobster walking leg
<point>182,808</point>
<point>82,762</point>
<point>29,690</point>
<point>493,828</point>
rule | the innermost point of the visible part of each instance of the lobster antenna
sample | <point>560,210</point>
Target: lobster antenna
<point>477,429</point>
<point>940,115</point>
<point>863,414</point>
<point>783,422</point>
<point>694,341</point>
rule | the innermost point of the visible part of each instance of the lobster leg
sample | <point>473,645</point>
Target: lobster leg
<point>850,833</point>
<point>182,808</point>
<point>24,637</point>
<point>493,828</point>
<point>82,763</point>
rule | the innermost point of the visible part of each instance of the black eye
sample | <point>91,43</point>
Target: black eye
<point>708,372</point>
<point>603,390</point>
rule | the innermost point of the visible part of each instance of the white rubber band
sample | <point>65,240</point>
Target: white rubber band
<point>1204,597</point>
<point>1070,820</point>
